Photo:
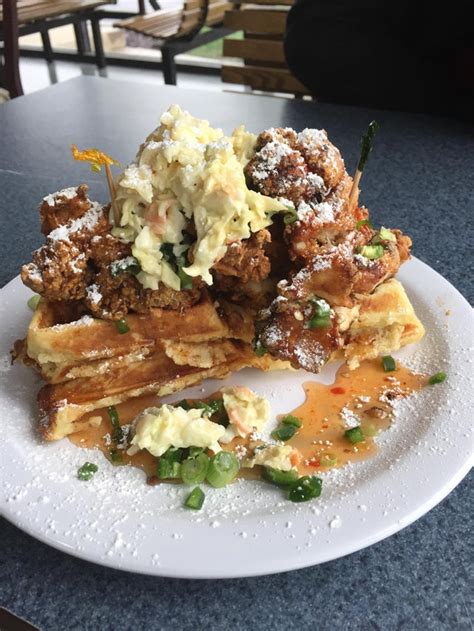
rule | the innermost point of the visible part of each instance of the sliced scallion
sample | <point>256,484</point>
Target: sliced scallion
<point>195,499</point>
<point>284,432</point>
<point>354,435</point>
<point>438,377</point>
<point>169,464</point>
<point>223,468</point>
<point>280,478</point>
<point>289,419</point>
<point>384,235</point>
<point>122,326</point>
<point>194,469</point>
<point>87,471</point>
<point>371,252</point>
<point>388,363</point>
<point>306,488</point>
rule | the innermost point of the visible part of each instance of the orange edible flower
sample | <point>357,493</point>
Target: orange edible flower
<point>96,158</point>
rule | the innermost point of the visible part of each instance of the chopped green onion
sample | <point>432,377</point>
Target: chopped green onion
<point>363,222</point>
<point>366,144</point>
<point>87,470</point>
<point>322,308</point>
<point>122,326</point>
<point>318,322</point>
<point>33,302</point>
<point>194,469</point>
<point>223,469</point>
<point>388,363</point>
<point>186,281</point>
<point>372,252</point>
<point>169,464</point>
<point>290,216</point>
<point>284,432</point>
<point>354,435</point>
<point>328,460</point>
<point>214,406</point>
<point>280,478</point>
<point>195,499</point>
<point>289,419</point>
<point>306,488</point>
<point>321,317</point>
<point>259,349</point>
<point>117,433</point>
<point>116,457</point>
<point>438,377</point>
<point>384,235</point>
<point>167,469</point>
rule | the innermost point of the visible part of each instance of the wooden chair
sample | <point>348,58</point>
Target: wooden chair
<point>178,30</point>
<point>23,17</point>
<point>264,66</point>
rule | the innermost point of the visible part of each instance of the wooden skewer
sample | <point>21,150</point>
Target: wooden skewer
<point>355,187</point>
<point>111,184</point>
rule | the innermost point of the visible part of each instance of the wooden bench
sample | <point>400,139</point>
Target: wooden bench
<point>22,17</point>
<point>178,30</point>
<point>264,66</point>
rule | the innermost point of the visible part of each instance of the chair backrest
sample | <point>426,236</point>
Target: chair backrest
<point>264,66</point>
<point>198,13</point>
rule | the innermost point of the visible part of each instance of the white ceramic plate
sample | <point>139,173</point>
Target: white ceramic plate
<point>247,528</point>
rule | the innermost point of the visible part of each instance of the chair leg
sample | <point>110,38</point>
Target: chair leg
<point>99,48</point>
<point>169,65</point>
<point>48,50</point>
<point>155,5</point>
<point>11,52</point>
<point>82,37</point>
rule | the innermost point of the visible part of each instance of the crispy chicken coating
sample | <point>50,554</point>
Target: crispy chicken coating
<point>59,270</point>
<point>62,207</point>
<point>246,260</point>
<point>306,171</point>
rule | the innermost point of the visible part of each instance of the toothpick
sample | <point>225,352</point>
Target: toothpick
<point>112,192</point>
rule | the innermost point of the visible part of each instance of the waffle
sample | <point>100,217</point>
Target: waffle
<point>386,321</point>
<point>88,364</point>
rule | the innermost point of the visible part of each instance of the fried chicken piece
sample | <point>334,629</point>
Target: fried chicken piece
<point>297,167</point>
<point>323,223</point>
<point>284,330</point>
<point>111,296</point>
<point>62,207</point>
<point>246,260</point>
<point>336,275</point>
<point>59,270</point>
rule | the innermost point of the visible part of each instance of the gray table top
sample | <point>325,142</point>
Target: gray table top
<point>419,179</point>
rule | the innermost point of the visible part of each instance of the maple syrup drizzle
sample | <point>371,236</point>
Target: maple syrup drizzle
<point>359,397</point>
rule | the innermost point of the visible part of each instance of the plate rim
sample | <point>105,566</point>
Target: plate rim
<point>345,548</point>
